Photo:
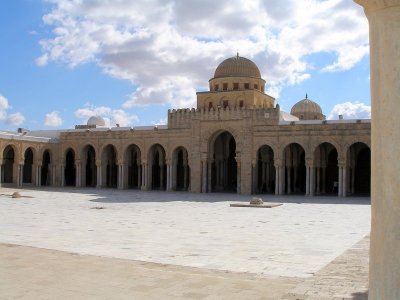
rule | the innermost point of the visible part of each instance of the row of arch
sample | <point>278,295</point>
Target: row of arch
<point>221,172</point>
<point>103,171</point>
<point>326,176</point>
<point>289,175</point>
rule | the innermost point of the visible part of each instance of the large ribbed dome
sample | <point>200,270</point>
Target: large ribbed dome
<point>306,106</point>
<point>307,109</point>
<point>237,66</point>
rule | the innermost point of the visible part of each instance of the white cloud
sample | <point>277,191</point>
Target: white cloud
<point>111,116</point>
<point>15,119</point>
<point>53,119</point>
<point>3,107</point>
<point>351,110</point>
<point>169,49</point>
<point>42,60</point>
<point>12,119</point>
<point>162,121</point>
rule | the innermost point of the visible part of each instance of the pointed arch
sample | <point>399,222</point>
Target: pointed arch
<point>89,169</point>
<point>27,170</point>
<point>222,162</point>
<point>326,169</point>
<point>181,169</point>
<point>45,173</point>
<point>359,169</point>
<point>157,167</point>
<point>109,166</point>
<point>265,168</point>
<point>8,171</point>
<point>70,168</point>
<point>294,169</point>
<point>133,161</point>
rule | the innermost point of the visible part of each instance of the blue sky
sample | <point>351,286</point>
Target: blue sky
<point>129,61</point>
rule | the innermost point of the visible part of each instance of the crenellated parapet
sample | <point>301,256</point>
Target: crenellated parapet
<point>183,118</point>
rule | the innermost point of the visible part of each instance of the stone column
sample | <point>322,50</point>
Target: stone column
<point>38,174</point>
<point>62,169</point>
<point>139,179</point>
<point>53,173</point>
<point>289,179</point>
<point>340,187</point>
<point>384,25</point>
<point>312,180</point>
<point>238,177</point>
<point>344,185</point>
<point>307,180</point>
<point>281,180</point>
<point>78,166</point>
<point>121,177</point>
<point>99,174</point>
<point>278,166</point>
<point>169,177</point>
<point>144,175</point>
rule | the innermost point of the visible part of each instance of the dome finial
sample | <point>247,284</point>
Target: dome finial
<point>237,54</point>
<point>306,96</point>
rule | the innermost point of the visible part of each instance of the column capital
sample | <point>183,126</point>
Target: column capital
<point>309,162</point>
<point>372,5</point>
<point>278,162</point>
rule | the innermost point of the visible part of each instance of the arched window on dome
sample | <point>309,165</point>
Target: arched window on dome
<point>236,86</point>
<point>216,87</point>
<point>210,105</point>
<point>256,86</point>
<point>246,86</point>
<point>225,86</point>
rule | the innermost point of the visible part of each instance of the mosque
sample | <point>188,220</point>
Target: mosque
<point>236,140</point>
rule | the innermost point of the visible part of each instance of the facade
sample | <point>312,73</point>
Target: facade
<point>236,140</point>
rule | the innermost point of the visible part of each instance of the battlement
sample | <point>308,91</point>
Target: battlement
<point>182,118</point>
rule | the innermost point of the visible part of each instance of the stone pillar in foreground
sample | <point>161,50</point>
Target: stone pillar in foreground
<point>384,25</point>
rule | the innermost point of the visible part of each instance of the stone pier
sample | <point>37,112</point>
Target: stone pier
<point>384,24</point>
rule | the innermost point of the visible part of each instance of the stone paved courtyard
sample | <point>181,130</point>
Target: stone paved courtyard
<point>295,240</point>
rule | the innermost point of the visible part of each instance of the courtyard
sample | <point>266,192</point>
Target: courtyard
<point>184,230</point>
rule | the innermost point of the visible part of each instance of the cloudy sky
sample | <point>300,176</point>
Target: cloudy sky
<point>63,61</point>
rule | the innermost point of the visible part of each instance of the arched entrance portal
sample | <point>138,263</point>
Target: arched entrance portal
<point>89,170</point>
<point>45,172</point>
<point>181,170</point>
<point>28,166</point>
<point>326,169</point>
<point>223,166</point>
<point>359,167</point>
<point>158,168</point>
<point>110,169</point>
<point>70,172</point>
<point>265,180</point>
<point>295,169</point>
<point>133,160</point>
<point>8,165</point>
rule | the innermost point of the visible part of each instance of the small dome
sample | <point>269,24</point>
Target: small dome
<point>97,121</point>
<point>307,109</point>
<point>237,66</point>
